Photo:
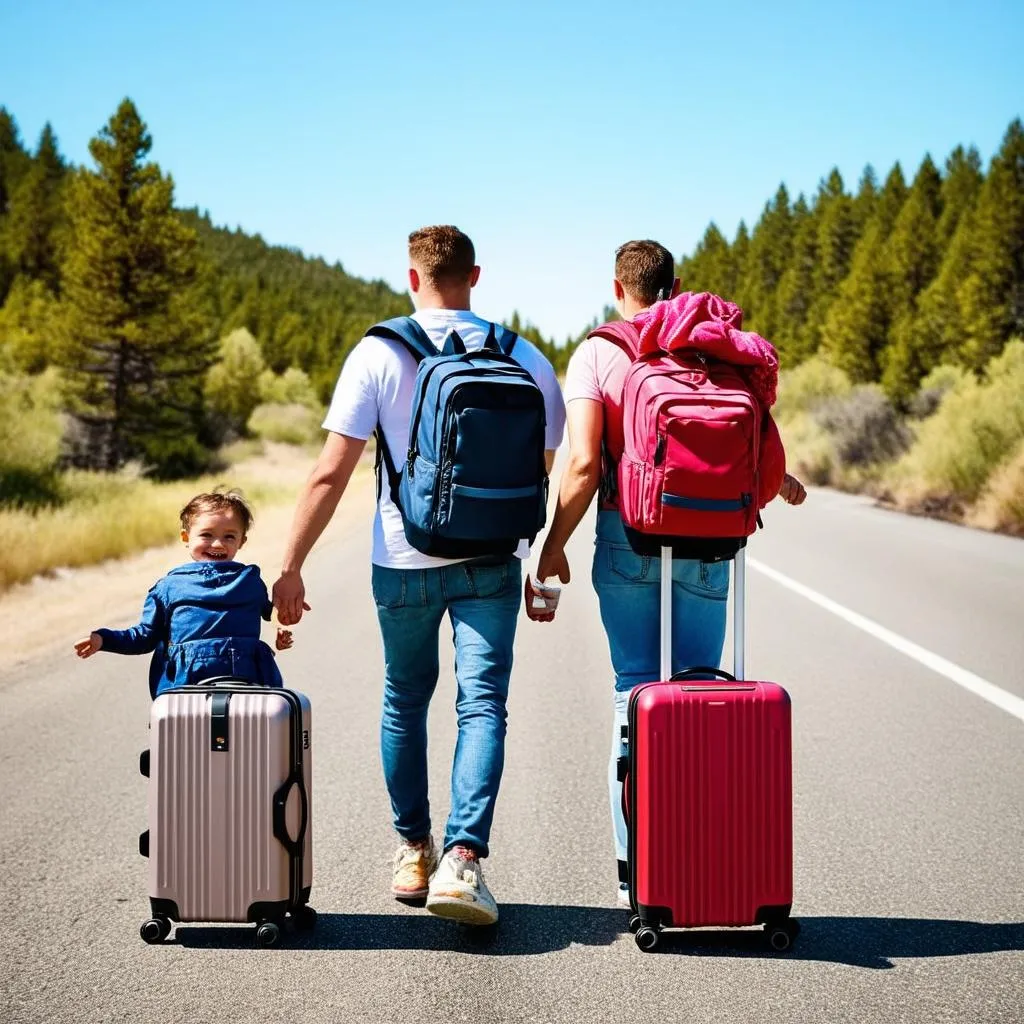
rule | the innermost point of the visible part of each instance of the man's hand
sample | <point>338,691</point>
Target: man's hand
<point>284,639</point>
<point>531,613</point>
<point>289,598</point>
<point>553,563</point>
<point>792,492</point>
<point>88,646</point>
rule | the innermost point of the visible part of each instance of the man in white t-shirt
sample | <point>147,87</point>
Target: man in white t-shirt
<point>414,591</point>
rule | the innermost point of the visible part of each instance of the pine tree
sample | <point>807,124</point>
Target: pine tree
<point>836,227</point>
<point>992,298</point>
<point>912,258</point>
<point>37,215</point>
<point>134,351</point>
<point>796,287</point>
<point>710,268</point>
<point>14,164</point>
<point>767,259</point>
<point>856,327</point>
<point>960,190</point>
<point>740,250</point>
<point>866,199</point>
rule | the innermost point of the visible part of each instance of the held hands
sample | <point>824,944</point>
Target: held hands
<point>289,595</point>
<point>88,646</point>
<point>792,492</point>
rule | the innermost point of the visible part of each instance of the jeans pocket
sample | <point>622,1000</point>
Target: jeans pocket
<point>487,580</point>
<point>389,587</point>
<point>714,577</point>
<point>626,565</point>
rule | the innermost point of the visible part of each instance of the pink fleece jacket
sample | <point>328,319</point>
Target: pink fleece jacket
<point>708,322</point>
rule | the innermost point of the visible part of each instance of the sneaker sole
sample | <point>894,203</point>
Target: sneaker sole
<point>454,909</point>
<point>410,894</point>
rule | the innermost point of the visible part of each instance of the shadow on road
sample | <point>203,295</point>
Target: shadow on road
<point>524,929</point>
<point>858,941</point>
<point>527,929</point>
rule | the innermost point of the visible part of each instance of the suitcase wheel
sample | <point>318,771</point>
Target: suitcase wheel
<point>155,930</point>
<point>634,923</point>
<point>268,934</point>
<point>647,939</point>
<point>304,918</point>
<point>781,934</point>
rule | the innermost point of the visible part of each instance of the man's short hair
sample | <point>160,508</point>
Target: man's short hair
<point>645,268</point>
<point>443,253</point>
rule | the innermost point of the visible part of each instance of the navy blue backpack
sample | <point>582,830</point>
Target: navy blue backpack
<point>473,481</point>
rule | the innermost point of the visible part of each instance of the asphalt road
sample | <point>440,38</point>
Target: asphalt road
<point>909,820</point>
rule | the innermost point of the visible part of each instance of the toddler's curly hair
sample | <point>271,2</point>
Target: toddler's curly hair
<point>217,501</point>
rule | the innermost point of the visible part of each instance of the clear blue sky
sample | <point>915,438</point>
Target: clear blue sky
<point>550,132</point>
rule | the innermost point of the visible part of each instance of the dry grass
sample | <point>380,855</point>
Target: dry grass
<point>112,515</point>
<point>1001,505</point>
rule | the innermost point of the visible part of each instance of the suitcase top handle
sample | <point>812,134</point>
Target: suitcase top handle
<point>702,670</point>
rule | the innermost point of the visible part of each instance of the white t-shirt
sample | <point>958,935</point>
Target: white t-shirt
<point>376,385</point>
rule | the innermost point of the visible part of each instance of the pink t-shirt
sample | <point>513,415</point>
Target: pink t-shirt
<point>597,370</point>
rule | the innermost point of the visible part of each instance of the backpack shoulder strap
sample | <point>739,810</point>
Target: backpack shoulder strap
<point>407,331</point>
<point>505,338</point>
<point>622,333</point>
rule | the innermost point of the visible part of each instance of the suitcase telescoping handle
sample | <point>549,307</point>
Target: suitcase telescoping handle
<point>739,616</point>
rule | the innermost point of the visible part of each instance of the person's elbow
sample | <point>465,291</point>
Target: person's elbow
<point>585,467</point>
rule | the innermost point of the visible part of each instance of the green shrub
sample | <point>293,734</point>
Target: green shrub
<point>935,386</point>
<point>231,390</point>
<point>804,388</point>
<point>293,387</point>
<point>31,427</point>
<point>291,423</point>
<point>865,427</point>
<point>810,453</point>
<point>977,427</point>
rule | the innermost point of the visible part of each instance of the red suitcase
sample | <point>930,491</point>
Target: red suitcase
<point>709,796</point>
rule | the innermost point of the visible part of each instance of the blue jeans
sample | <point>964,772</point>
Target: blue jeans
<point>482,602</point>
<point>629,592</point>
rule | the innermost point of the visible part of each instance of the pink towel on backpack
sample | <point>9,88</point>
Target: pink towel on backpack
<point>707,322</point>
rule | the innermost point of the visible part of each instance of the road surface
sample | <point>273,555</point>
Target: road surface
<point>909,814</point>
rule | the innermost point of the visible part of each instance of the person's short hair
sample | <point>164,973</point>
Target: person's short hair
<point>217,501</point>
<point>443,253</point>
<point>645,268</point>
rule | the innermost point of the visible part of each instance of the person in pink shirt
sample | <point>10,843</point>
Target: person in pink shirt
<point>627,584</point>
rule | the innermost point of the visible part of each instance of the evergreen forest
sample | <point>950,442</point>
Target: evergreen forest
<point>136,333</point>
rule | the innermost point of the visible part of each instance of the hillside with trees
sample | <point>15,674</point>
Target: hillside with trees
<point>890,280</point>
<point>898,313</point>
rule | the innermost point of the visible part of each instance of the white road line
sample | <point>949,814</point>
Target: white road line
<point>1008,702</point>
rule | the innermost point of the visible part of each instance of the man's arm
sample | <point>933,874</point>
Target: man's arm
<point>317,502</point>
<point>578,486</point>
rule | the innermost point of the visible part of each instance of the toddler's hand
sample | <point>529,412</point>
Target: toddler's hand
<point>88,646</point>
<point>284,639</point>
<point>792,492</point>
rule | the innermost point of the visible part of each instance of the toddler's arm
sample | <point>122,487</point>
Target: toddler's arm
<point>88,646</point>
<point>140,639</point>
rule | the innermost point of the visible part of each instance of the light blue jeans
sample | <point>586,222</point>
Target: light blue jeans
<point>482,602</point>
<point>629,592</point>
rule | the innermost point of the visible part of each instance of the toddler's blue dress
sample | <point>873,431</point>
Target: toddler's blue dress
<point>201,620</point>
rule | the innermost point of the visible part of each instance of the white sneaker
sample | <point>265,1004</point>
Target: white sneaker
<point>623,895</point>
<point>414,864</point>
<point>458,891</point>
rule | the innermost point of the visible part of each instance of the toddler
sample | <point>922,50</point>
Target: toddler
<point>203,618</point>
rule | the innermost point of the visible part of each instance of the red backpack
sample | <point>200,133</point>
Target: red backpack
<point>693,431</point>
